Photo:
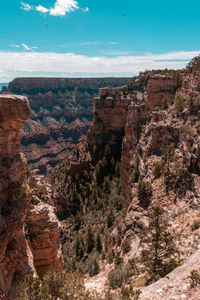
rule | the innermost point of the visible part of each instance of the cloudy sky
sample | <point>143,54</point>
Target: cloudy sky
<point>96,37</point>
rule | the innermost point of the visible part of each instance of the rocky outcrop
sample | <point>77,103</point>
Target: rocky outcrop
<point>37,249</point>
<point>42,233</point>
<point>61,112</point>
<point>108,127</point>
<point>14,193</point>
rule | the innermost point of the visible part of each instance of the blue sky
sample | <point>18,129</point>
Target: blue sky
<point>96,38</point>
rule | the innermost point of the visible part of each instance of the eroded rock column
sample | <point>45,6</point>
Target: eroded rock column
<point>14,193</point>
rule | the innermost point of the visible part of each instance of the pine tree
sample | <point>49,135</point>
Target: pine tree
<point>107,152</point>
<point>98,243</point>
<point>161,255</point>
<point>89,240</point>
<point>110,219</point>
<point>144,193</point>
<point>117,169</point>
<point>106,184</point>
<point>99,172</point>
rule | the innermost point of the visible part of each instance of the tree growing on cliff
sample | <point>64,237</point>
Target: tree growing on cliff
<point>90,242</point>
<point>144,193</point>
<point>161,255</point>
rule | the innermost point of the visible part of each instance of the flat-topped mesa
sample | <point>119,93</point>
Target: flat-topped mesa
<point>14,192</point>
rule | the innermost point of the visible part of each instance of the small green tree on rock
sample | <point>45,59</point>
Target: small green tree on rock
<point>161,255</point>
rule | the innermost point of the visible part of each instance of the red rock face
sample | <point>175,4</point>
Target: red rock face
<point>43,231</point>
<point>42,251</point>
<point>61,112</point>
<point>120,112</point>
<point>14,192</point>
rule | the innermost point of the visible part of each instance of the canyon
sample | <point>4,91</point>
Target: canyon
<point>61,113</point>
<point>141,151</point>
<point>151,127</point>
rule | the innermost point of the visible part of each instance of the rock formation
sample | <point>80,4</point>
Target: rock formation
<point>14,192</point>
<point>42,232</point>
<point>120,112</point>
<point>152,128</point>
<point>19,255</point>
<point>61,112</point>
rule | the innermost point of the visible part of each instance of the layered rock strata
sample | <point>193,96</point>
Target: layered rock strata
<point>61,112</point>
<point>39,249</point>
<point>120,112</point>
<point>42,232</point>
<point>14,192</point>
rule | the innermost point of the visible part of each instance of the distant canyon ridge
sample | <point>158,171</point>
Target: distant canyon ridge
<point>61,113</point>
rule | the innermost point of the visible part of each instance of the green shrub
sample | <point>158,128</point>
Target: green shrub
<point>117,277</point>
<point>195,225</point>
<point>157,170</point>
<point>178,104</point>
<point>126,246</point>
<point>94,268</point>
<point>194,278</point>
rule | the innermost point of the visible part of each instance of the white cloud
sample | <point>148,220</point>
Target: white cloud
<point>55,64</point>
<point>28,48</point>
<point>14,46</point>
<point>62,7</point>
<point>42,9</point>
<point>25,6</point>
<point>86,9</point>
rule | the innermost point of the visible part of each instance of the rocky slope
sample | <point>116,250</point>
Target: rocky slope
<point>151,126</point>
<point>19,249</point>
<point>61,112</point>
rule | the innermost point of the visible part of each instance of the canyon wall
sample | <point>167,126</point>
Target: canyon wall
<point>35,249</point>
<point>119,114</point>
<point>14,193</point>
<point>61,113</point>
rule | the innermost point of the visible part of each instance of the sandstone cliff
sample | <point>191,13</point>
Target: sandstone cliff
<point>37,249</point>
<point>61,112</point>
<point>15,193</point>
<point>152,128</point>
